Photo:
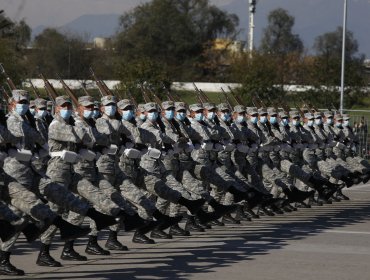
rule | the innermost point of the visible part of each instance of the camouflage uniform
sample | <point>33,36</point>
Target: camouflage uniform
<point>130,165</point>
<point>157,179</point>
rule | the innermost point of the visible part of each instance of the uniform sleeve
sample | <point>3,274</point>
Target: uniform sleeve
<point>62,132</point>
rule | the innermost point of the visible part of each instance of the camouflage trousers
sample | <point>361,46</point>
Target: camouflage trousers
<point>163,204</point>
<point>126,194</point>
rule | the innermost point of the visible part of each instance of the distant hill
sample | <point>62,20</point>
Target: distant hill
<point>312,18</point>
<point>89,25</point>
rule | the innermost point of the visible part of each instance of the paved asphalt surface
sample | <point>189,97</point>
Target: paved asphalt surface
<point>328,242</point>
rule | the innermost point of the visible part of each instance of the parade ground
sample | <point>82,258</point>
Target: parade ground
<point>327,242</point>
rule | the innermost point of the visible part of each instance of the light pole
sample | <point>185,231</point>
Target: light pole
<point>343,56</point>
<point>252,11</point>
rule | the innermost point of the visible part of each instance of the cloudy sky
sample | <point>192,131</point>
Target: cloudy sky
<point>59,12</point>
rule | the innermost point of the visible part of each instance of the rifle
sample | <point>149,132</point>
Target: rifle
<point>49,89</point>
<point>227,100</point>
<point>103,89</point>
<point>83,85</point>
<point>145,94</point>
<point>202,99</point>
<point>168,93</point>
<point>260,101</point>
<point>8,79</point>
<point>299,110</point>
<point>35,90</point>
<point>156,98</point>
<point>3,91</point>
<point>69,92</point>
<point>236,98</point>
<point>131,97</point>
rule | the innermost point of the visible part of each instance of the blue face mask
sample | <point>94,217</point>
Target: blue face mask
<point>33,111</point>
<point>169,114</point>
<point>296,122</point>
<point>310,123</point>
<point>240,119</point>
<point>318,121</point>
<point>211,115</point>
<point>273,120</point>
<point>180,116</point>
<point>88,114</point>
<point>329,121</point>
<point>127,115</point>
<point>142,117</point>
<point>42,113</point>
<point>225,117</point>
<point>110,110</point>
<point>96,114</point>
<point>199,117</point>
<point>65,114</point>
<point>254,120</point>
<point>345,123</point>
<point>263,119</point>
<point>153,116</point>
<point>339,125</point>
<point>21,109</point>
<point>285,122</point>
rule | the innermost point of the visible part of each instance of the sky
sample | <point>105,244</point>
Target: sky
<point>55,13</point>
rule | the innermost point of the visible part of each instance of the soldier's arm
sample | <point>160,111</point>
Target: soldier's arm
<point>62,132</point>
<point>19,129</point>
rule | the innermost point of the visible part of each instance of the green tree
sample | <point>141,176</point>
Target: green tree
<point>13,39</point>
<point>175,33</point>
<point>66,54</point>
<point>278,37</point>
<point>143,72</point>
<point>326,69</point>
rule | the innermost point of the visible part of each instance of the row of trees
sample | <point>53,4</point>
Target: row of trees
<point>165,41</point>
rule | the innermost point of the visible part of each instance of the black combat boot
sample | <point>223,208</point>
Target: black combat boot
<point>6,268</point>
<point>176,230</point>
<point>160,234</point>
<point>69,253</point>
<point>142,238</point>
<point>341,196</point>
<point>228,219</point>
<point>93,247</point>
<point>192,205</point>
<point>44,258</point>
<point>265,211</point>
<point>69,231</point>
<point>241,215</point>
<point>101,220</point>
<point>217,223</point>
<point>113,243</point>
<point>192,226</point>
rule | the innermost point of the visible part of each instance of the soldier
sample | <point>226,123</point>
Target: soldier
<point>32,107</point>
<point>155,173</point>
<point>50,114</point>
<point>112,178</point>
<point>129,164</point>
<point>140,115</point>
<point>205,139</point>
<point>20,190</point>
<point>64,140</point>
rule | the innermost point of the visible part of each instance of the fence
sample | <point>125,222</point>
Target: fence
<point>359,123</point>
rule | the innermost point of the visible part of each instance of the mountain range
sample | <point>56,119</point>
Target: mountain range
<point>312,18</point>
